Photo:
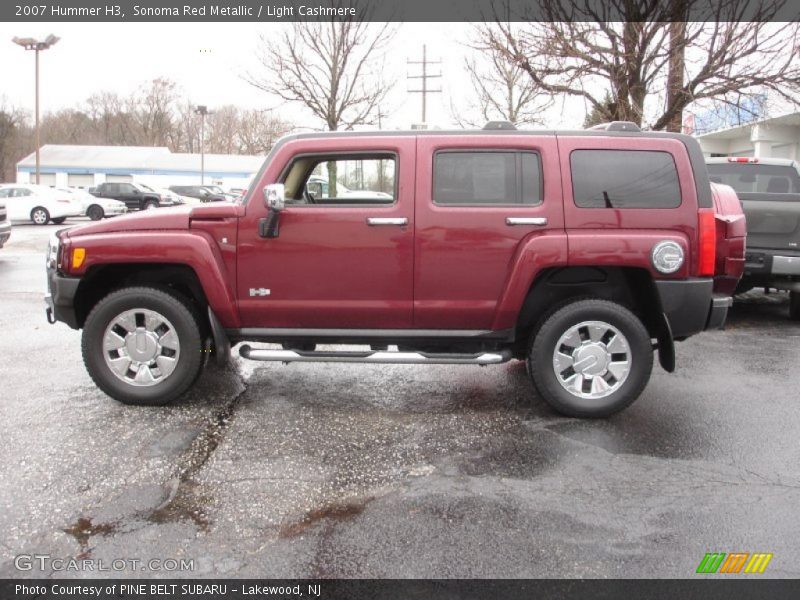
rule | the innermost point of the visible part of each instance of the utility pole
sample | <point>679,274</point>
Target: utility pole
<point>425,76</point>
<point>36,46</point>
<point>202,111</point>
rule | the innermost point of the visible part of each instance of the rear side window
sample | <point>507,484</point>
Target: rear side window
<point>487,178</point>
<point>624,179</point>
<point>756,179</point>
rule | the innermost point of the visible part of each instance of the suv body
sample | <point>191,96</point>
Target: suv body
<point>580,252</point>
<point>769,189</point>
<point>134,196</point>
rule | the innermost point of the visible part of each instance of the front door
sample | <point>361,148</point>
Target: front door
<point>343,258</point>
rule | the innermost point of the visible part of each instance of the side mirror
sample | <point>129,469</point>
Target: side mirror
<point>275,201</point>
<point>275,197</point>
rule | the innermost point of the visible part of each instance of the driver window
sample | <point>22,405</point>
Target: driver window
<point>362,180</point>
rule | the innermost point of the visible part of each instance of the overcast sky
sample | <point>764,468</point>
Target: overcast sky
<point>207,60</point>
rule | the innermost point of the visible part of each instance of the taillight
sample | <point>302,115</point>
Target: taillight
<point>707,242</point>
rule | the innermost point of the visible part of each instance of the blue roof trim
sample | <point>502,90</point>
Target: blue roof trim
<point>84,171</point>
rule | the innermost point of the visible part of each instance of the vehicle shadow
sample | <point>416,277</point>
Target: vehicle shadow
<point>757,309</point>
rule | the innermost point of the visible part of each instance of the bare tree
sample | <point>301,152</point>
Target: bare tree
<point>654,67</point>
<point>16,139</point>
<point>333,68</point>
<point>503,91</point>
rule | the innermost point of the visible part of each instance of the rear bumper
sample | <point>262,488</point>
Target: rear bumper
<point>778,269</point>
<point>691,306</point>
<point>59,301</point>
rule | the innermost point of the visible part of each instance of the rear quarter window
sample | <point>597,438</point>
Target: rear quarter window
<point>624,179</point>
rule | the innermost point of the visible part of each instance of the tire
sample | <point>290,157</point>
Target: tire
<point>794,306</point>
<point>157,325</point>
<point>59,220</point>
<point>40,216</point>
<point>95,212</point>
<point>150,205</point>
<point>586,326</point>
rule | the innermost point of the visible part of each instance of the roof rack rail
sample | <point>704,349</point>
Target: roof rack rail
<point>500,125</point>
<point>616,126</point>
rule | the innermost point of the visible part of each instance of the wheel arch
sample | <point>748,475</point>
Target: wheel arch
<point>630,287</point>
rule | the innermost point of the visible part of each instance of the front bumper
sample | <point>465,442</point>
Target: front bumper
<point>5,232</point>
<point>59,301</point>
<point>691,306</point>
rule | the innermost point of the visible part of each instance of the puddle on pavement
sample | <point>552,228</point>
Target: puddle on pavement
<point>83,530</point>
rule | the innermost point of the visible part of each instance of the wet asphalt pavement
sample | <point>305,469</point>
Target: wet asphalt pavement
<point>314,470</point>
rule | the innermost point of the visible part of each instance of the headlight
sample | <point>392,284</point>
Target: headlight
<point>53,245</point>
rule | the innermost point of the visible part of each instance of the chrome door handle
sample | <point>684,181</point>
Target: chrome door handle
<point>397,221</point>
<point>511,221</point>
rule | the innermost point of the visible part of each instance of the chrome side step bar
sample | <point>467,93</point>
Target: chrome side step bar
<point>376,357</point>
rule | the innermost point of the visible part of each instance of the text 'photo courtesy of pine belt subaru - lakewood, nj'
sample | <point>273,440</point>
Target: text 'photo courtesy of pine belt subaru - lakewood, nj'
<point>581,252</point>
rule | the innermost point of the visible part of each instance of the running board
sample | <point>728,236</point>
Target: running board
<point>377,357</point>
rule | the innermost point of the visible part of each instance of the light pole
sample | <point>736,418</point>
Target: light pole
<point>202,111</point>
<point>36,45</point>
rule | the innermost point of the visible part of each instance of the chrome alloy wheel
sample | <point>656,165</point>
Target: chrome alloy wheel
<point>39,217</point>
<point>592,359</point>
<point>141,347</point>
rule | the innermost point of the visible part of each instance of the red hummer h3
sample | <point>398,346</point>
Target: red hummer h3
<point>581,252</point>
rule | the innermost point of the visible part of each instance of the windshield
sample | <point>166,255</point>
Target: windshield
<point>748,178</point>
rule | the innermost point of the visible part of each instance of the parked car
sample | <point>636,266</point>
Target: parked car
<point>201,192</point>
<point>134,195</point>
<point>165,193</point>
<point>96,208</point>
<point>38,203</point>
<point>318,188</point>
<point>5,225</point>
<point>769,189</point>
<point>580,252</point>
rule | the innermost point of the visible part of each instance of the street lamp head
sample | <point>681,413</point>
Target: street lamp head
<point>30,43</point>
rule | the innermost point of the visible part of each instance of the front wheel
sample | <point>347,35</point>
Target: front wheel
<point>794,306</point>
<point>95,212</point>
<point>40,216</point>
<point>150,205</point>
<point>142,346</point>
<point>590,358</point>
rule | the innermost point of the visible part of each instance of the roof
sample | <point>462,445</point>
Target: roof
<point>735,131</point>
<point>136,159</point>
<point>780,162</point>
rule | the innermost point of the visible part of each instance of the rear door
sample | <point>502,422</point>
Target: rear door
<point>479,200</point>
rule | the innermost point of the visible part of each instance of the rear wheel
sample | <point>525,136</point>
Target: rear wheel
<point>590,358</point>
<point>794,306</point>
<point>142,346</point>
<point>95,212</point>
<point>40,216</point>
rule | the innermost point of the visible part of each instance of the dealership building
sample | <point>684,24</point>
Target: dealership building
<point>88,166</point>
<point>775,137</point>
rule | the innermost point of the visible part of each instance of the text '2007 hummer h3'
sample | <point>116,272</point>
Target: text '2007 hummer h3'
<point>581,252</point>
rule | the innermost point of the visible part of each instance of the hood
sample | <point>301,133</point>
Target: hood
<point>158,219</point>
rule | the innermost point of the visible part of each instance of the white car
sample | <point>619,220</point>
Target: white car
<point>38,203</point>
<point>96,208</point>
